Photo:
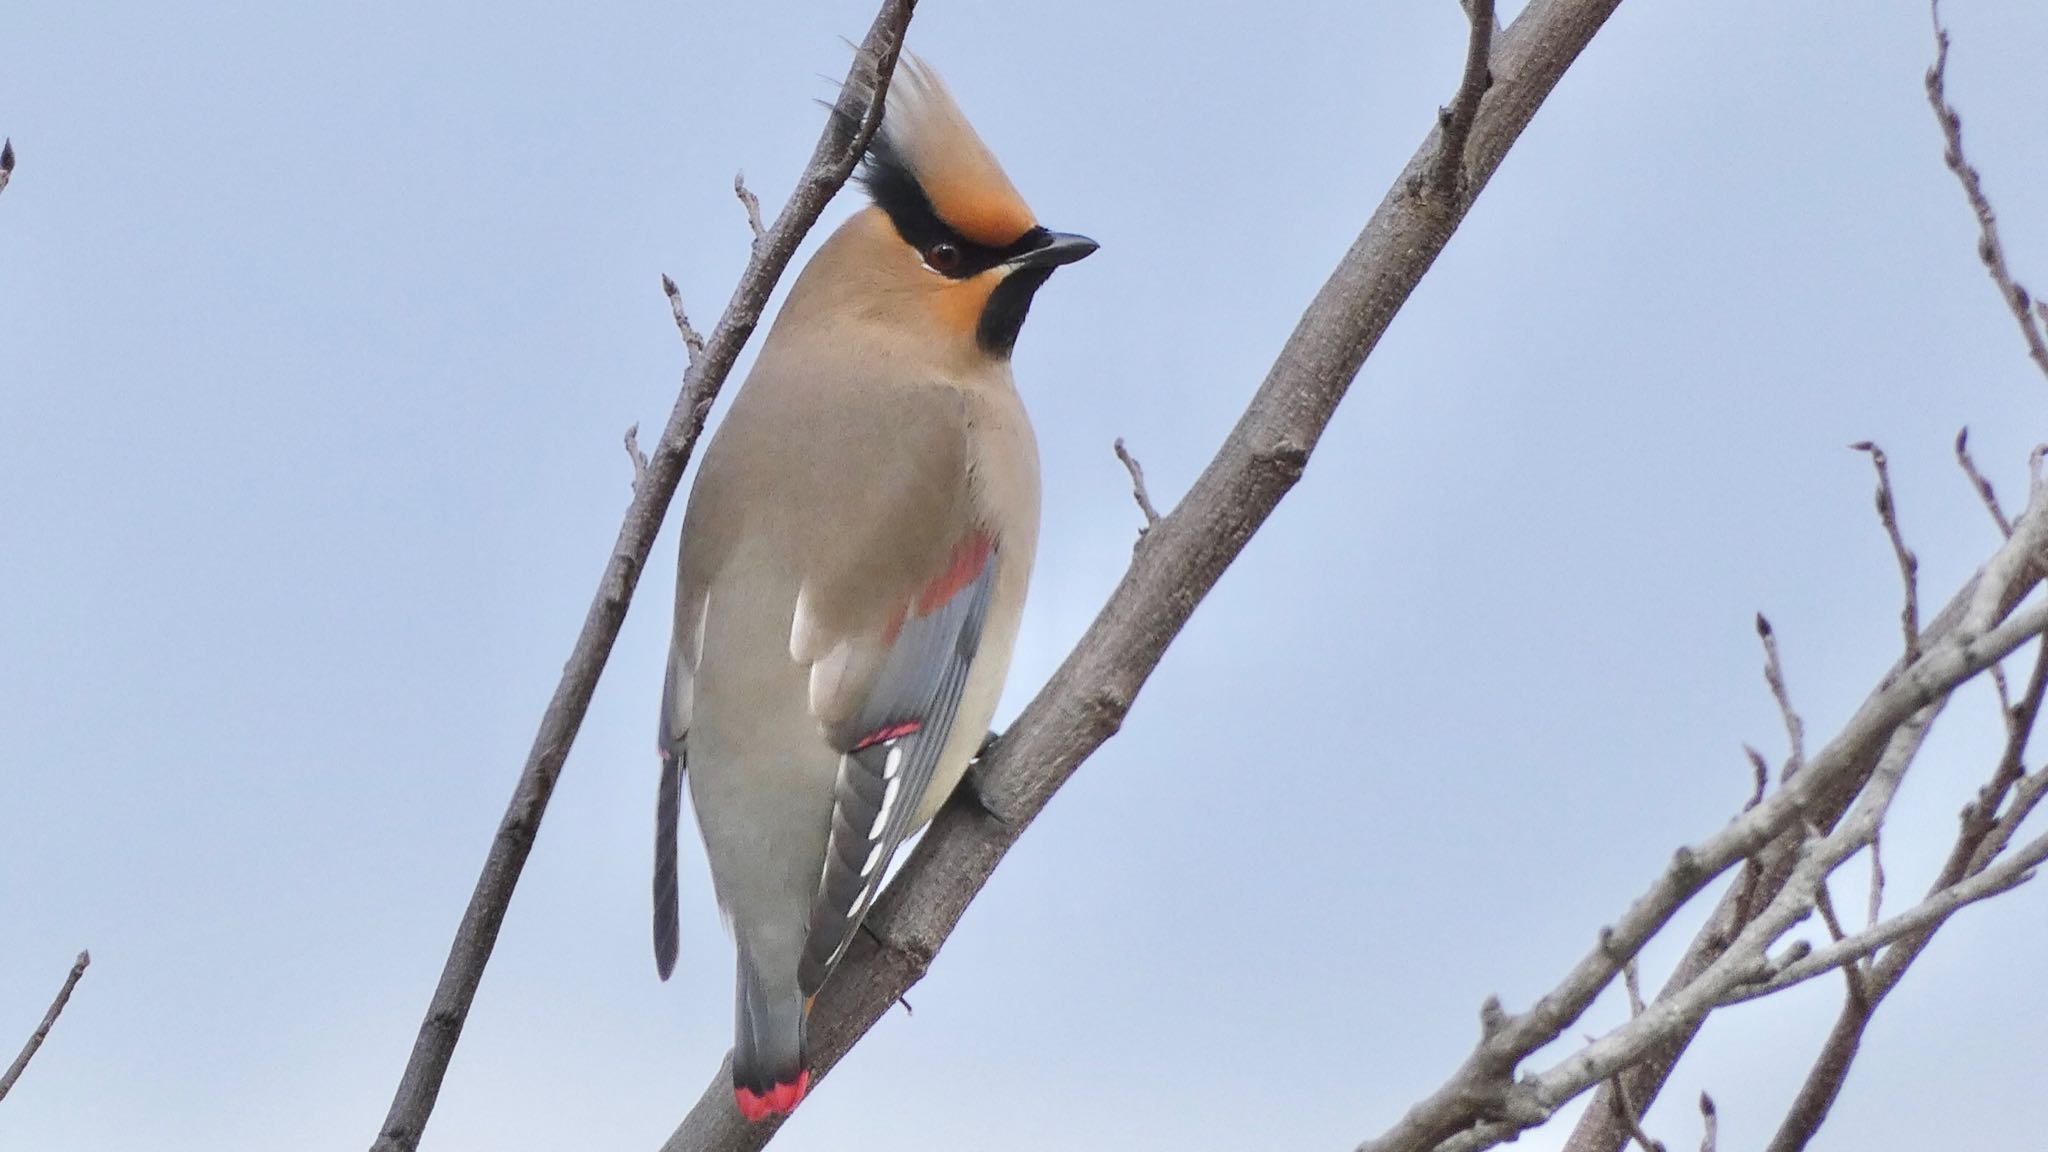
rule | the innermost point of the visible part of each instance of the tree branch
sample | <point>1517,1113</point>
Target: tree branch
<point>751,203</point>
<point>1138,492</point>
<point>1978,482</point>
<point>1085,702</point>
<point>6,162</point>
<point>1595,1132</point>
<point>1977,842</point>
<point>1774,675</point>
<point>693,341</point>
<point>1483,1104</point>
<point>1909,564</point>
<point>847,130</point>
<point>1990,249</point>
<point>42,1032</point>
<point>1447,172</point>
<point>1990,594</point>
<point>2009,873</point>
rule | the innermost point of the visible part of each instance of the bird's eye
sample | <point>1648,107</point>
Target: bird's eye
<point>943,257</point>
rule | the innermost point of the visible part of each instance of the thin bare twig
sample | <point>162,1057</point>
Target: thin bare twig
<point>1752,869</point>
<point>42,1032</point>
<point>1877,872</point>
<point>1982,485</point>
<point>1990,249</point>
<point>1774,675</point>
<point>693,340</point>
<point>1447,176</point>
<point>1138,492</point>
<point>1909,564</point>
<point>752,203</point>
<point>1710,1120</point>
<point>6,162</point>
<point>1763,777</point>
<point>847,131</point>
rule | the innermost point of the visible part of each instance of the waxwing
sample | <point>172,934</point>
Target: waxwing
<point>853,566</point>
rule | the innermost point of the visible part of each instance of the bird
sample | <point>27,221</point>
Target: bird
<point>854,560</point>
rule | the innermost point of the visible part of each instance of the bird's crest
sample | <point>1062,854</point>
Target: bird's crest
<point>928,161</point>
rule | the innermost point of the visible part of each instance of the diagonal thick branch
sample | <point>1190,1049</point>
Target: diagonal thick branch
<point>847,130</point>
<point>1182,558</point>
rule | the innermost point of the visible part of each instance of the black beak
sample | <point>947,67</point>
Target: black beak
<point>1056,249</point>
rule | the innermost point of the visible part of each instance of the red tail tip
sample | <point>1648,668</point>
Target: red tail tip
<point>777,1101</point>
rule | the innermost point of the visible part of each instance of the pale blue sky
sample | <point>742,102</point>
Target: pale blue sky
<point>320,324</point>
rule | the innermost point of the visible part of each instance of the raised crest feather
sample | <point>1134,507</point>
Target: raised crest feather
<point>927,155</point>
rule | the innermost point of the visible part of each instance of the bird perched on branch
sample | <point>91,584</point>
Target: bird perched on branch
<point>853,565</point>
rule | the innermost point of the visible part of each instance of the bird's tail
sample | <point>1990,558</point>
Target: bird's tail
<point>768,1056</point>
<point>668,813</point>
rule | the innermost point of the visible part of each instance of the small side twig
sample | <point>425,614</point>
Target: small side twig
<point>1876,873</point>
<point>1710,1121</point>
<point>6,162</point>
<point>1909,564</point>
<point>752,203</point>
<point>1774,675</point>
<point>1990,249</point>
<point>42,1031</point>
<point>1752,872</point>
<point>638,457</point>
<point>1447,171</point>
<point>1138,492</point>
<point>1625,1111</point>
<point>1982,485</point>
<point>692,339</point>
<point>1763,777</point>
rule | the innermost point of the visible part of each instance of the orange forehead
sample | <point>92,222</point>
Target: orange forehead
<point>982,206</point>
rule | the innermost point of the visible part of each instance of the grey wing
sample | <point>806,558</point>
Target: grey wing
<point>889,751</point>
